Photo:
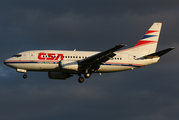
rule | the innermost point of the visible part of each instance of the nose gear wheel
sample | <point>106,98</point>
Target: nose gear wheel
<point>25,76</point>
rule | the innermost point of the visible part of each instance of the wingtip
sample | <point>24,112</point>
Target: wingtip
<point>121,45</point>
<point>124,45</point>
<point>172,47</point>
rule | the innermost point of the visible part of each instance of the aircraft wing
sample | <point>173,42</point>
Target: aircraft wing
<point>101,57</point>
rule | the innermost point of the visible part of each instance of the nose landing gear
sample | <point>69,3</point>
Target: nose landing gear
<point>25,76</point>
<point>22,71</point>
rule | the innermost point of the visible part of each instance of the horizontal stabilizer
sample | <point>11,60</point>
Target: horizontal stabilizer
<point>158,54</point>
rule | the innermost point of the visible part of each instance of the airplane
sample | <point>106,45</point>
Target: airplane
<point>62,64</point>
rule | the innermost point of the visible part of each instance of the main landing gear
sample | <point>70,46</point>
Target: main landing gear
<point>87,75</point>
<point>81,79</point>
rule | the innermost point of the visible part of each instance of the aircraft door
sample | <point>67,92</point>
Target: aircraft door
<point>31,56</point>
<point>130,59</point>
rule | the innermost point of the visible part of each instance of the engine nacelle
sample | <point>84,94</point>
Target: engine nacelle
<point>59,75</point>
<point>68,65</point>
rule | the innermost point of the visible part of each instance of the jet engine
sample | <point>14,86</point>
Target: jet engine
<point>67,65</point>
<point>59,75</point>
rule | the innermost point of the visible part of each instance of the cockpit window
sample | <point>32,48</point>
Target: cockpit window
<point>18,55</point>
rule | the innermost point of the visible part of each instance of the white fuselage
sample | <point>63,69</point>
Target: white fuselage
<point>48,60</point>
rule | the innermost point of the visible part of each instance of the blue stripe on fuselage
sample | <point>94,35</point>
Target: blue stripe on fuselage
<point>123,65</point>
<point>131,65</point>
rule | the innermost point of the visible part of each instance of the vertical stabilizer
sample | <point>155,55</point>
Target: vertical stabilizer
<point>148,43</point>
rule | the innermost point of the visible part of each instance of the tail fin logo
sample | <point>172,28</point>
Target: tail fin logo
<point>148,36</point>
<point>143,41</point>
<point>150,31</point>
<point>148,43</point>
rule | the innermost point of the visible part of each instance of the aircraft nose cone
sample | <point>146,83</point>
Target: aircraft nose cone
<point>5,62</point>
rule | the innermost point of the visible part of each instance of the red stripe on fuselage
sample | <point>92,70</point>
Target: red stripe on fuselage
<point>31,61</point>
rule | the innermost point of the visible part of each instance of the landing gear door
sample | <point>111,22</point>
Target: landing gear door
<point>31,56</point>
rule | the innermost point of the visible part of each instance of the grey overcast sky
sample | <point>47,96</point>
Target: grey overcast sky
<point>148,93</point>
